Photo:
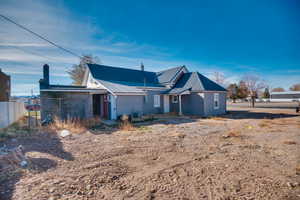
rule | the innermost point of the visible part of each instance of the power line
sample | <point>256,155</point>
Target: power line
<point>33,53</point>
<point>41,37</point>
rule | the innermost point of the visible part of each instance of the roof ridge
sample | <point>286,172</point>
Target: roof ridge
<point>120,68</point>
<point>169,69</point>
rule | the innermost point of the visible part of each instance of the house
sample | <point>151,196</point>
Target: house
<point>109,92</point>
<point>4,86</point>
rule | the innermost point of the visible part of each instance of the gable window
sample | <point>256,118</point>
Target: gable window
<point>175,99</point>
<point>156,101</point>
<point>216,101</point>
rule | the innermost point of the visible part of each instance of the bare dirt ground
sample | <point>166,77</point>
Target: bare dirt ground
<point>246,154</point>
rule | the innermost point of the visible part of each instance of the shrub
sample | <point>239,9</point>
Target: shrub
<point>126,126</point>
<point>73,125</point>
<point>289,142</point>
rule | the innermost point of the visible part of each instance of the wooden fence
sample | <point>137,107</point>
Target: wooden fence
<point>10,112</point>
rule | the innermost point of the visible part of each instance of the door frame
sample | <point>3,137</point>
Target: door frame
<point>166,104</point>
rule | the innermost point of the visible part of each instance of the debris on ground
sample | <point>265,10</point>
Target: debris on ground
<point>64,133</point>
<point>173,158</point>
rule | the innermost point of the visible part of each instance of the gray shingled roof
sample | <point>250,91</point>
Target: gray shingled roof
<point>166,76</point>
<point>124,80</point>
<point>194,81</point>
<point>124,76</point>
<point>120,88</point>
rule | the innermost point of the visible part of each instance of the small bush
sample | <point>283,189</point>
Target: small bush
<point>298,169</point>
<point>73,125</point>
<point>232,133</point>
<point>217,118</point>
<point>289,142</point>
<point>265,124</point>
<point>178,135</point>
<point>126,126</point>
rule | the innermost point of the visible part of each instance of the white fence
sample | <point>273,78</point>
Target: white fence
<point>10,112</point>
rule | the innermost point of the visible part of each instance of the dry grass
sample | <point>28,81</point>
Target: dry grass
<point>16,129</point>
<point>126,126</point>
<point>298,169</point>
<point>234,133</point>
<point>289,142</point>
<point>265,123</point>
<point>178,135</point>
<point>217,118</point>
<point>73,125</point>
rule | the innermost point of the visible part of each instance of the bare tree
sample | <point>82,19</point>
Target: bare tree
<point>219,78</point>
<point>278,89</point>
<point>232,91</point>
<point>295,87</point>
<point>77,71</point>
<point>254,85</point>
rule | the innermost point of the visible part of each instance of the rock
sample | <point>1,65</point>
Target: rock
<point>88,187</point>
<point>23,163</point>
<point>292,185</point>
<point>64,133</point>
<point>51,190</point>
<point>91,192</point>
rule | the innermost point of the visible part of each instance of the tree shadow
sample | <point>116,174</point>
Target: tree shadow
<point>43,143</point>
<point>237,114</point>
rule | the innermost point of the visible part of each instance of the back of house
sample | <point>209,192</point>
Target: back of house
<point>109,92</point>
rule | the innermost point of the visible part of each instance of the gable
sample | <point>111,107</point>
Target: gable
<point>170,76</point>
<point>194,82</point>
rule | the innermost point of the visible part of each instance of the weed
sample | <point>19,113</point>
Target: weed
<point>144,128</point>
<point>233,133</point>
<point>178,135</point>
<point>73,125</point>
<point>217,118</point>
<point>289,142</point>
<point>298,169</point>
<point>265,123</point>
<point>126,126</point>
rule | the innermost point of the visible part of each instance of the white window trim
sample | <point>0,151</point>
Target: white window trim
<point>216,99</point>
<point>174,100</point>
<point>156,102</point>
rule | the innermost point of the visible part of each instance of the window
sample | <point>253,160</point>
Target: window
<point>156,101</point>
<point>174,99</point>
<point>216,101</point>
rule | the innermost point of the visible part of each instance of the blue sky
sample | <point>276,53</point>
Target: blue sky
<point>232,37</point>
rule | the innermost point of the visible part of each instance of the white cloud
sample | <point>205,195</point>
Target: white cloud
<point>19,48</point>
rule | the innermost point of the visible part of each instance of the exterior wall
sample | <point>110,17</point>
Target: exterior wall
<point>10,112</point>
<point>192,104</point>
<point>4,87</point>
<point>129,104</point>
<point>148,107</point>
<point>209,109</point>
<point>66,105</point>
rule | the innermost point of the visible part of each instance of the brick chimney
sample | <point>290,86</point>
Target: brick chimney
<point>44,83</point>
<point>46,74</point>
